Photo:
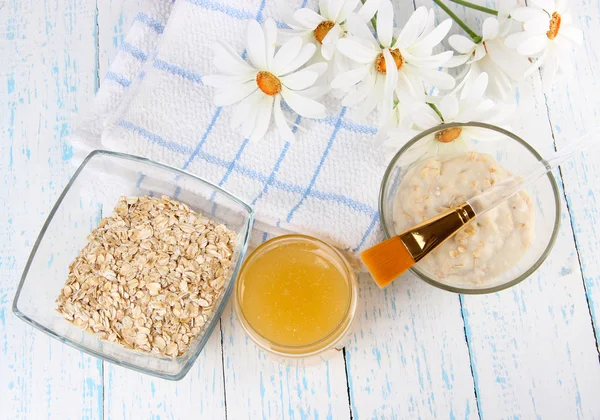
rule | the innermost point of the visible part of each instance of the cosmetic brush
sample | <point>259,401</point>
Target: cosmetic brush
<point>389,259</point>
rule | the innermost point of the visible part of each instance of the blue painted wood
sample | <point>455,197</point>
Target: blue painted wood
<point>46,75</point>
<point>414,352</point>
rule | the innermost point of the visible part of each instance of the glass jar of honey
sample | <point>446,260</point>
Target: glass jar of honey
<point>296,296</point>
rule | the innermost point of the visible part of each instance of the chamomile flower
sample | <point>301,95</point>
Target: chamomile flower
<point>503,65</point>
<point>388,65</point>
<point>548,34</point>
<point>325,27</point>
<point>470,105</point>
<point>259,85</point>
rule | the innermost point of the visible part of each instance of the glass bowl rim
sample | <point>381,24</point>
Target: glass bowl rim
<point>320,345</point>
<point>218,312</point>
<point>557,205</point>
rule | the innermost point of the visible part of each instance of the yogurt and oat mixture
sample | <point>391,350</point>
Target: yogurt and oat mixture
<point>486,247</point>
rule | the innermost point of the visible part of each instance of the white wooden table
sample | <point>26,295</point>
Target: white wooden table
<point>417,352</point>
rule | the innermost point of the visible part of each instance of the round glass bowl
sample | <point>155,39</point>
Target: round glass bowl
<point>296,296</point>
<point>514,154</point>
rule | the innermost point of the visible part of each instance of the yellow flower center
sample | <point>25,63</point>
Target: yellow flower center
<point>554,26</point>
<point>268,83</point>
<point>448,135</point>
<point>380,61</point>
<point>322,30</point>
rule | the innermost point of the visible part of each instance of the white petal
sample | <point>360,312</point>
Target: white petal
<point>229,62</point>
<point>263,118</point>
<point>224,97</point>
<point>329,46</point>
<point>284,130</point>
<point>335,6</point>
<point>361,92</point>
<point>462,44</point>
<point>434,37</point>
<point>516,39</point>
<point>537,63</point>
<point>480,52</point>
<point>547,5</point>
<point>413,28</point>
<point>533,45</point>
<point>448,107</point>
<point>324,7</point>
<point>270,40</point>
<point>225,81</point>
<point>307,51</point>
<point>356,51</point>
<point>476,90</point>
<point>303,106</point>
<point>349,78</point>
<point>286,54</point>
<point>369,104</point>
<point>523,14</point>
<point>410,83</point>
<point>457,60</point>
<point>391,77</point>
<point>308,18</point>
<point>368,9</point>
<point>537,25</point>
<point>359,29</point>
<point>436,78</point>
<point>320,67</point>
<point>300,80</point>
<point>426,117</point>
<point>316,91</point>
<point>572,33</point>
<point>512,63</point>
<point>348,7</point>
<point>245,114</point>
<point>241,110</point>
<point>490,28</point>
<point>433,61</point>
<point>385,23</point>
<point>255,45</point>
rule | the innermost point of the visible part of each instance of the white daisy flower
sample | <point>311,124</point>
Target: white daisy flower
<point>388,65</point>
<point>259,85</point>
<point>327,26</point>
<point>471,105</point>
<point>549,34</point>
<point>503,65</point>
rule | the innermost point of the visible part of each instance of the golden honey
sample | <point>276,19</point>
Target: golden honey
<point>296,295</point>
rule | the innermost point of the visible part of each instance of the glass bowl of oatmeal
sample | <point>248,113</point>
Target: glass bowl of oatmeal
<point>135,264</point>
<point>442,167</point>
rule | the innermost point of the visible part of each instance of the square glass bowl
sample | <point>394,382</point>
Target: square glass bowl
<point>91,194</point>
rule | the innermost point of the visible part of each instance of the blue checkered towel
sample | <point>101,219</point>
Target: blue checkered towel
<point>153,103</point>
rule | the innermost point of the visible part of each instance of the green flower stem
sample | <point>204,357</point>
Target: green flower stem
<point>435,108</point>
<point>476,7</point>
<point>476,38</point>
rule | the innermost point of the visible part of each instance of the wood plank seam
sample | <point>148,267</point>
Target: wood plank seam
<point>223,367</point>
<point>467,341</point>
<point>572,226</point>
<point>347,384</point>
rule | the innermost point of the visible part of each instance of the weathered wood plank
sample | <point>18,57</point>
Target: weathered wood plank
<point>573,110</point>
<point>532,347</point>
<point>408,357</point>
<point>259,386</point>
<point>46,74</point>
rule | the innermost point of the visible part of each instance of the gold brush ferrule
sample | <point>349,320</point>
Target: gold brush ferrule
<point>424,238</point>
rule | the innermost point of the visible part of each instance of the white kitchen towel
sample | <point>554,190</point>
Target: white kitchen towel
<point>153,104</point>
